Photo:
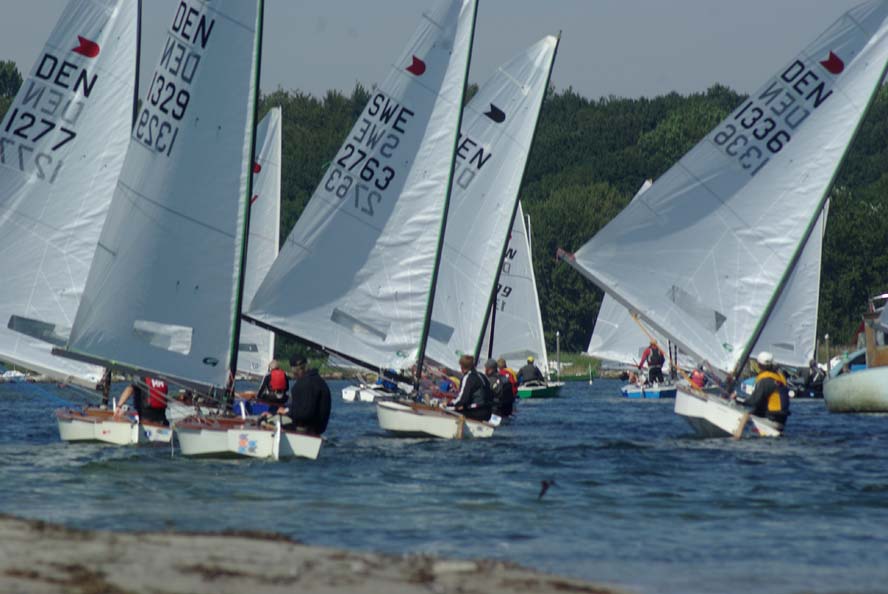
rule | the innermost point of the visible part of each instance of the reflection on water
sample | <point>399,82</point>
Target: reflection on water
<point>637,501</point>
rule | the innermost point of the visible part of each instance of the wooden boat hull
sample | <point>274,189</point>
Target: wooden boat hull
<point>864,391</point>
<point>411,419</point>
<point>650,392</point>
<point>712,416</point>
<point>235,438</point>
<point>100,426</point>
<point>552,390</point>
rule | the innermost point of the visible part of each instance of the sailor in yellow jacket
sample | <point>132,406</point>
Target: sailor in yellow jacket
<point>770,398</point>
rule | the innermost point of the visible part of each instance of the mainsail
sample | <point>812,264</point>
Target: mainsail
<point>354,275</point>
<point>704,254</point>
<point>62,145</point>
<point>163,292</point>
<point>497,133</point>
<point>257,344</point>
<point>517,322</point>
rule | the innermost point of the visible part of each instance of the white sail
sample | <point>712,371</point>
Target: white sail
<point>517,323</point>
<point>355,273</point>
<point>701,255</point>
<point>791,331</point>
<point>62,145</point>
<point>257,344</point>
<point>497,131</point>
<point>163,291</point>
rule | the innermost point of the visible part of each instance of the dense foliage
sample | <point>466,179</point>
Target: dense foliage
<point>589,158</point>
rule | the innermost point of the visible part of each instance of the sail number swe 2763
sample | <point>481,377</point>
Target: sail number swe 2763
<point>354,167</point>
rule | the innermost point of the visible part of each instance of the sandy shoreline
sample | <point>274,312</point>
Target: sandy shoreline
<point>39,557</point>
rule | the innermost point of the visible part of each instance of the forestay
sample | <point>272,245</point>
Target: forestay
<point>498,129</point>
<point>517,323</point>
<point>62,145</point>
<point>163,293</point>
<point>354,275</point>
<point>256,344</point>
<point>732,215</point>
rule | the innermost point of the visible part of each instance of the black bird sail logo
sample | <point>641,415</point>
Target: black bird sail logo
<point>496,114</point>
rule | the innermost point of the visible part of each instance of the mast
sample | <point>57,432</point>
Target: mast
<point>424,335</point>
<point>491,302</point>
<point>138,62</point>
<point>245,231</point>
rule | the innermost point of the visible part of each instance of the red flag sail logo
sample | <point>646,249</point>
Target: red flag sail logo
<point>418,67</point>
<point>257,167</point>
<point>833,64</point>
<point>87,48</point>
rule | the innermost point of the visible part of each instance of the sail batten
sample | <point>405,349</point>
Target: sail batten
<point>364,239</point>
<point>704,254</point>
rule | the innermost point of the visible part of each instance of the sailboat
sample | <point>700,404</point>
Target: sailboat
<point>369,238</point>
<point>163,294</point>
<point>62,146</point>
<point>514,329</point>
<point>732,217</point>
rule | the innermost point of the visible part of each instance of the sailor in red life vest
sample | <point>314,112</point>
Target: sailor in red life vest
<point>151,404</point>
<point>654,358</point>
<point>274,385</point>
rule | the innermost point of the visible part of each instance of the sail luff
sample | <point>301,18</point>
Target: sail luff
<point>234,345</point>
<point>424,335</point>
<point>491,303</point>
<point>138,62</point>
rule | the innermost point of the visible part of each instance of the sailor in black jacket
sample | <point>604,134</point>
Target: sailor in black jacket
<point>475,400</point>
<point>309,405</point>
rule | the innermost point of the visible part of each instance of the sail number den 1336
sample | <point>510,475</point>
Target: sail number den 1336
<point>168,97</point>
<point>766,122</point>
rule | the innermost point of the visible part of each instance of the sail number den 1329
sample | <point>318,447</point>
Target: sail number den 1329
<point>168,97</point>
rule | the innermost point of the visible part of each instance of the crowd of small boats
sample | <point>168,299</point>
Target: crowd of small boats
<point>147,232</point>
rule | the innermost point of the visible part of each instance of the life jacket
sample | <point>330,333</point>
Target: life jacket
<point>157,393</point>
<point>278,380</point>
<point>778,400</point>
<point>512,378</point>
<point>697,378</point>
<point>655,358</point>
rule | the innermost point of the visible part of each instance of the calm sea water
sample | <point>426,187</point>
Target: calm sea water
<point>638,501</point>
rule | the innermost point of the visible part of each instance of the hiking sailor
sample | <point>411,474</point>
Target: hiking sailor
<point>475,400</point>
<point>770,398</point>
<point>151,404</point>
<point>274,385</point>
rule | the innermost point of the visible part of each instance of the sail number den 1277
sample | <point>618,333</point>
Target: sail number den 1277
<point>168,97</point>
<point>765,124</point>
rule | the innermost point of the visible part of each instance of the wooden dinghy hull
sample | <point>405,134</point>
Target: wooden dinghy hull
<point>713,416</point>
<point>236,438</point>
<point>411,419</point>
<point>864,391</point>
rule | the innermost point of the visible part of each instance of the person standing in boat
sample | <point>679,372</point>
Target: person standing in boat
<point>530,373</point>
<point>500,390</point>
<point>770,398</point>
<point>475,400</point>
<point>309,405</point>
<point>275,385</point>
<point>151,404</point>
<point>654,358</point>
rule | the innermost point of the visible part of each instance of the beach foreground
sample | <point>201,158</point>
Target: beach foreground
<point>39,557</point>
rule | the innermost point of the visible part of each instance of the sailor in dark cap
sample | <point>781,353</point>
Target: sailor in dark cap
<point>500,390</point>
<point>309,405</point>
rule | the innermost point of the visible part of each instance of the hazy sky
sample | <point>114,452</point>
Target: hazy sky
<point>626,48</point>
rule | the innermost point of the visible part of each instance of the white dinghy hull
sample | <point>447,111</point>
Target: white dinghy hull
<point>656,391</point>
<point>235,438</point>
<point>95,425</point>
<point>713,416</point>
<point>409,419</point>
<point>364,393</point>
<point>864,391</point>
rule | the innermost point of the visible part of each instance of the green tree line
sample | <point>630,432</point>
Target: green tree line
<point>588,159</point>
